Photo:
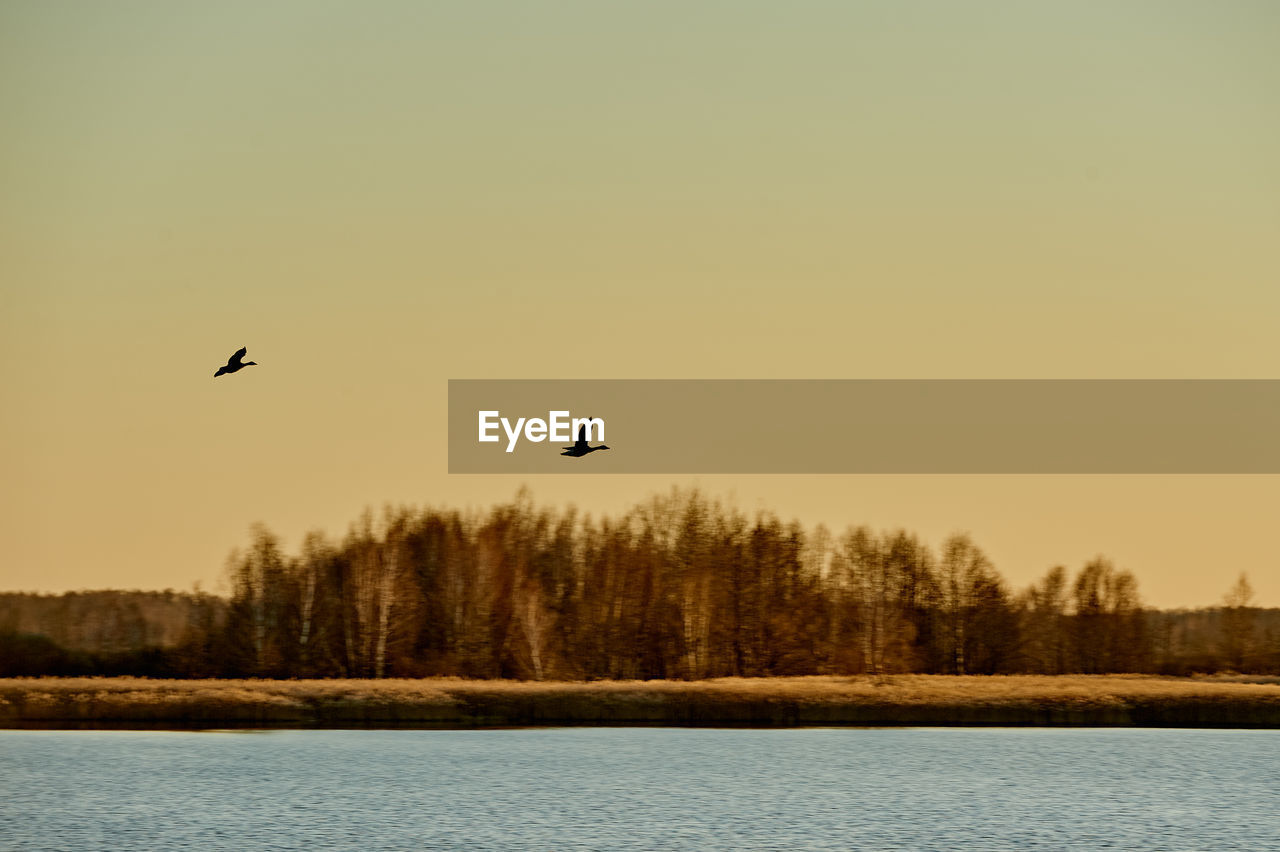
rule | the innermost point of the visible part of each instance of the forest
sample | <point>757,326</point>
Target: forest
<point>679,587</point>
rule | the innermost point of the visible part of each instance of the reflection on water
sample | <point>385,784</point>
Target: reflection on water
<point>642,788</point>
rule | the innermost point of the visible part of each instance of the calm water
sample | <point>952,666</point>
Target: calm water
<point>642,788</point>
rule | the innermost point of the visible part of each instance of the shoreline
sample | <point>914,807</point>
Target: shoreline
<point>820,701</point>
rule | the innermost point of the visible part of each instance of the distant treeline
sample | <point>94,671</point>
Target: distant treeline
<point>680,587</point>
<point>105,632</point>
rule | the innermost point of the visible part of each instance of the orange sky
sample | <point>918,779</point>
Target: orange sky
<point>376,198</point>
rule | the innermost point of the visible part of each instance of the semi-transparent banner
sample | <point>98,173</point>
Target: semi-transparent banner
<point>864,426</point>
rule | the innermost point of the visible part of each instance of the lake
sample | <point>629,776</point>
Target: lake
<point>642,789</point>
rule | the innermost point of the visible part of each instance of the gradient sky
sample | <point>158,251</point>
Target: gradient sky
<point>377,197</point>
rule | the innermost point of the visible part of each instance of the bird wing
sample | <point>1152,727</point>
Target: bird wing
<point>581,443</point>
<point>240,353</point>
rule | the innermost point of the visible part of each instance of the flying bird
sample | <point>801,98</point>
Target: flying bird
<point>235,363</point>
<point>580,447</point>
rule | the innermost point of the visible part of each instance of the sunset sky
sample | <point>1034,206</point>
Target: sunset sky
<point>378,197</point>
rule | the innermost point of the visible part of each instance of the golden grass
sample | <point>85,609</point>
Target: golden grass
<point>452,702</point>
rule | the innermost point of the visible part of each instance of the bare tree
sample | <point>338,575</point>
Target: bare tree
<point>1109,627</point>
<point>1045,633</point>
<point>310,570</point>
<point>258,593</point>
<point>961,562</point>
<point>1238,624</point>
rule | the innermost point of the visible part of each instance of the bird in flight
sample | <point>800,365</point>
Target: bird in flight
<point>235,363</point>
<point>580,447</point>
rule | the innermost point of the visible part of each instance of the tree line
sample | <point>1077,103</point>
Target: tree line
<point>680,586</point>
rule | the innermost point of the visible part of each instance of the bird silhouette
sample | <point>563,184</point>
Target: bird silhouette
<point>580,447</point>
<point>235,363</point>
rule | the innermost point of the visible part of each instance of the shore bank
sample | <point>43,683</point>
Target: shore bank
<point>916,700</point>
